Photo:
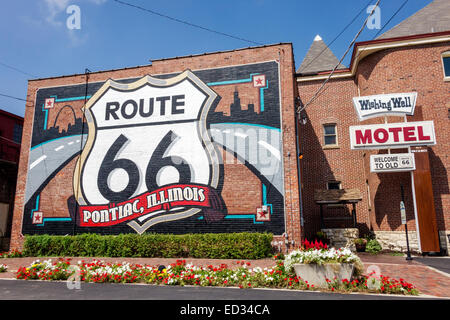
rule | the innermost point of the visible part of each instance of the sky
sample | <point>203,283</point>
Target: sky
<point>36,42</point>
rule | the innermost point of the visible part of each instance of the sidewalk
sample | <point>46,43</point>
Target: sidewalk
<point>428,280</point>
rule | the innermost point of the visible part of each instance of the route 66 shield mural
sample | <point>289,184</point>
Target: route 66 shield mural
<point>148,157</point>
<point>193,151</point>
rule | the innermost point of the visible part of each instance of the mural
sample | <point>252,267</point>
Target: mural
<point>178,153</point>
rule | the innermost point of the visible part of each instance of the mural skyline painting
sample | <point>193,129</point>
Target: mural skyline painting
<point>160,153</point>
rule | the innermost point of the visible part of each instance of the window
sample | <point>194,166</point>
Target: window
<point>446,64</point>
<point>332,185</point>
<point>17,133</point>
<point>329,134</point>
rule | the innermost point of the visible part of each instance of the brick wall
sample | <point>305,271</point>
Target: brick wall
<point>242,184</point>
<point>405,69</point>
<point>321,163</point>
<point>408,69</point>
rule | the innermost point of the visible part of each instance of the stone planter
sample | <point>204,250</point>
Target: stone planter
<point>317,274</point>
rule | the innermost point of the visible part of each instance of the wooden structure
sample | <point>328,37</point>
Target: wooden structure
<point>337,196</point>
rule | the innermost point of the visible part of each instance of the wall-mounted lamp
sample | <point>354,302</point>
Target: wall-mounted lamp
<point>304,119</point>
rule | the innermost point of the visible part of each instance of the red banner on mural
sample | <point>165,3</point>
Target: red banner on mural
<point>160,201</point>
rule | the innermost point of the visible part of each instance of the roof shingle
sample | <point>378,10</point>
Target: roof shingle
<point>318,58</point>
<point>435,17</point>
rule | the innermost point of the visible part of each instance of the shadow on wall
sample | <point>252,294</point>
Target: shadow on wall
<point>389,187</point>
<point>316,172</point>
<point>440,182</point>
<point>388,211</point>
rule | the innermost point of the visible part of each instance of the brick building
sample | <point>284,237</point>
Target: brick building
<point>10,139</point>
<point>411,57</point>
<point>202,143</point>
<point>212,143</point>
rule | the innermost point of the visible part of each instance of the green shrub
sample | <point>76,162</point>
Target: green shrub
<point>373,246</point>
<point>207,245</point>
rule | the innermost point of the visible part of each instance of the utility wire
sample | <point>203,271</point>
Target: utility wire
<point>343,30</point>
<point>186,22</point>
<point>18,70</point>
<point>8,96</point>
<point>390,19</point>
<point>300,109</point>
<point>378,33</point>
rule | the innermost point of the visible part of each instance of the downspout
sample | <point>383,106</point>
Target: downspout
<point>299,154</point>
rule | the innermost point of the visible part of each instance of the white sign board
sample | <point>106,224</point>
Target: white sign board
<point>395,104</point>
<point>392,162</point>
<point>403,212</point>
<point>392,135</point>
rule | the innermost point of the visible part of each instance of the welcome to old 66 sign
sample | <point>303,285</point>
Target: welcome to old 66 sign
<point>148,157</point>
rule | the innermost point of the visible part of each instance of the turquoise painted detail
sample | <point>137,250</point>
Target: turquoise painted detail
<point>238,216</point>
<point>228,82</point>
<point>251,124</point>
<point>244,216</point>
<point>60,100</point>
<point>46,116</point>
<point>232,81</point>
<point>40,144</point>
<point>261,94</point>
<point>71,99</point>
<point>37,206</point>
<point>53,219</point>
<point>264,192</point>
<point>261,90</point>
<point>46,219</point>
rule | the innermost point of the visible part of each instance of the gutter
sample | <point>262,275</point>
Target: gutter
<point>372,46</point>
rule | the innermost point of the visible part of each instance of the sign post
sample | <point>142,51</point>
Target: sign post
<point>403,216</point>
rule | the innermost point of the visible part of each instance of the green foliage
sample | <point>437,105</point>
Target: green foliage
<point>373,246</point>
<point>208,245</point>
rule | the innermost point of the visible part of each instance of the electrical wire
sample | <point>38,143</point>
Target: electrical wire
<point>8,96</point>
<point>378,33</point>
<point>18,70</point>
<point>390,19</point>
<point>300,109</point>
<point>186,22</point>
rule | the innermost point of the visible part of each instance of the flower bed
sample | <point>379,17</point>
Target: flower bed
<point>3,268</point>
<point>180,273</point>
<point>11,254</point>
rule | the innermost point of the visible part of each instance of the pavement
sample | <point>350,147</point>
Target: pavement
<point>13,290</point>
<point>430,275</point>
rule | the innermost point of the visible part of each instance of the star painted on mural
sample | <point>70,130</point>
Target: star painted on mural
<point>49,103</point>
<point>37,217</point>
<point>259,81</point>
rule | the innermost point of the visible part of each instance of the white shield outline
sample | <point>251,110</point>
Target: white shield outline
<point>202,131</point>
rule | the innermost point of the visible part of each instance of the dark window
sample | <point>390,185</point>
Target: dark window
<point>330,136</point>
<point>17,133</point>
<point>446,61</point>
<point>334,185</point>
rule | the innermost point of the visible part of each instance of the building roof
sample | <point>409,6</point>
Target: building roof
<point>319,58</point>
<point>337,195</point>
<point>435,17</point>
